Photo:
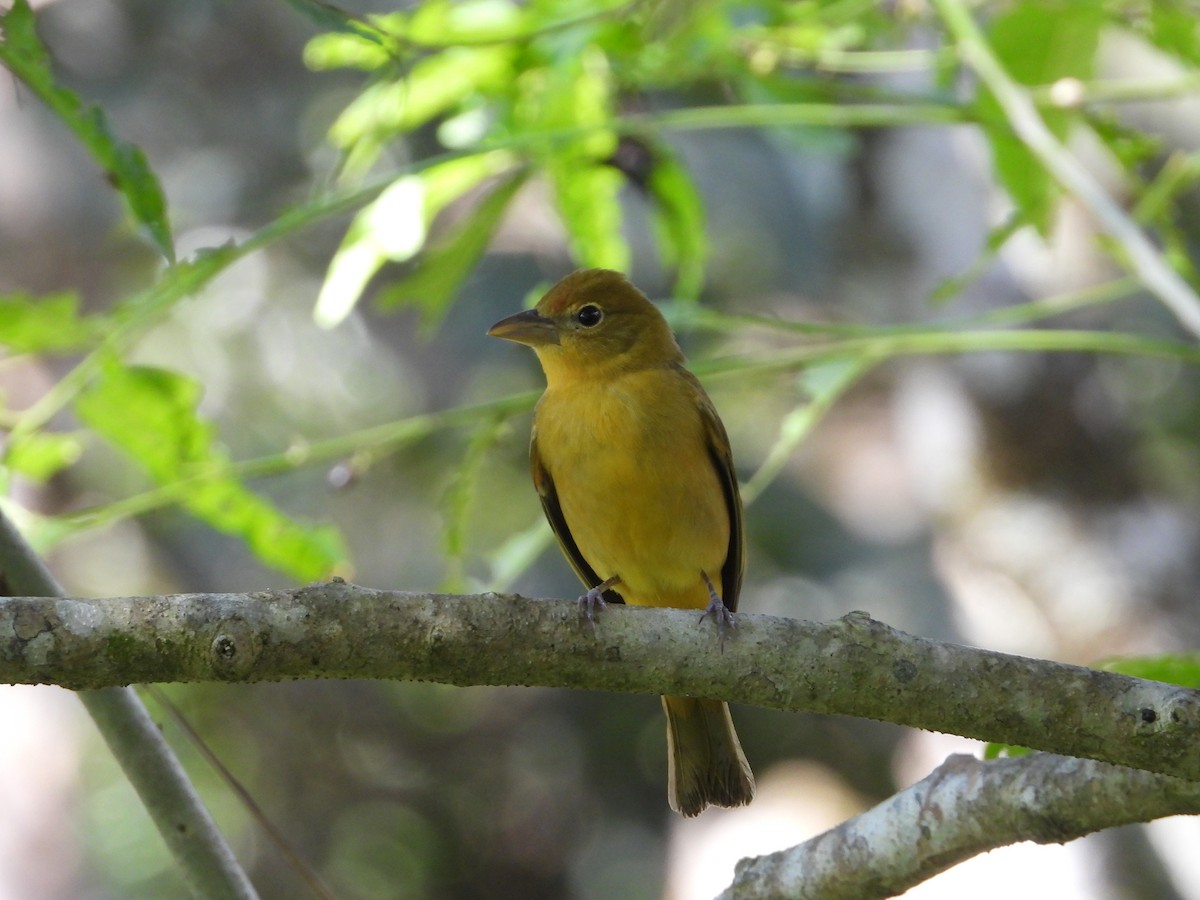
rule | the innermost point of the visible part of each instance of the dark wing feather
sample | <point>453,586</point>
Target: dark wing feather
<point>722,457</point>
<point>558,523</point>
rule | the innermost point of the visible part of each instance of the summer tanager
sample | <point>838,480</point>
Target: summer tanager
<point>634,471</point>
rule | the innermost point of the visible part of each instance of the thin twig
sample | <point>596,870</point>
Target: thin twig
<point>205,859</point>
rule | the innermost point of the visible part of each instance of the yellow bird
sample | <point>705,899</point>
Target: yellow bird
<point>635,473</point>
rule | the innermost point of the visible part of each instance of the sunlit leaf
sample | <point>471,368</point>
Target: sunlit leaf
<point>440,271</point>
<point>43,324</point>
<point>1039,42</point>
<point>578,95</point>
<point>678,218</point>
<point>151,415</point>
<point>25,56</point>
<point>341,50</point>
<point>435,86</point>
<point>352,42</point>
<point>588,201</point>
<point>995,750</point>
<point>443,23</point>
<point>43,454</point>
<point>394,227</point>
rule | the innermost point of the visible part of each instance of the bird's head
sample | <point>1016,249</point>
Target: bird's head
<point>592,324</point>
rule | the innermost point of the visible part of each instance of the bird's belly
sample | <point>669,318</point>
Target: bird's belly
<point>642,505</point>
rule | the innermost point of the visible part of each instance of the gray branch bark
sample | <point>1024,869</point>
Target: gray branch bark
<point>964,807</point>
<point>205,859</point>
<point>853,666</point>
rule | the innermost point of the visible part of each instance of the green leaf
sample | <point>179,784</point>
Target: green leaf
<point>437,85</point>
<point>588,201</point>
<point>440,271</point>
<point>43,454</point>
<point>443,23</point>
<point>1174,28</point>
<point>394,227</point>
<point>1173,668</point>
<point>353,42</point>
<point>151,414</point>
<point>25,55</point>
<point>994,750</point>
<point>44,324</point>
<point>345,50</point>
<point>678,219</point>
<point>1131,147</point>
<point>577,96</point>
<point>1038,42</point>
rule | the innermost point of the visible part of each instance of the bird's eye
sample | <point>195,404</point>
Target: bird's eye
<point>589,316</point>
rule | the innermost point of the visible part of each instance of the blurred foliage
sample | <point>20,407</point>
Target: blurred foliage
<point>504,93</point>
<point>554,90</point>
<point>446,122</point>
<point>25,56</point>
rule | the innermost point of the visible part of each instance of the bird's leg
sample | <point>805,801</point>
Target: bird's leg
<point>593,600</point>
<point>717,611</point>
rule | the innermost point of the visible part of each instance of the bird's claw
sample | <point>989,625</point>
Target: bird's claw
<point>593,601</point>
<point>718,612</point>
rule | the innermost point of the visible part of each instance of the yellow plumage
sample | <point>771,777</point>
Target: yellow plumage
<point>635,474</point>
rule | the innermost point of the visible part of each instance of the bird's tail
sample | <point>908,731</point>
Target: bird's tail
<point>705,762</point>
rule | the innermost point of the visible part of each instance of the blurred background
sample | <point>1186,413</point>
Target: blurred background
<point>1042,505</point>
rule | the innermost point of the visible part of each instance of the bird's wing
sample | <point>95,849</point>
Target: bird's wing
<point>558,522</point>
<point>721,454</point>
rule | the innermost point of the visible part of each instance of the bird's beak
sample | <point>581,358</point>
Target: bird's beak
<point>527,327</point>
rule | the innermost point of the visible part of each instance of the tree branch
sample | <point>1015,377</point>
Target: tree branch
<point>205,859</point>
<point>852,666</point>
<point>964,807</point>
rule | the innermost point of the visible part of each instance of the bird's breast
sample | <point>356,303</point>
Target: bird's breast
<point>637,485</point>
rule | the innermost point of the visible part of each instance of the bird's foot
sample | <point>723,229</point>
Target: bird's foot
<point>718,612</point>
<point>593,601</point>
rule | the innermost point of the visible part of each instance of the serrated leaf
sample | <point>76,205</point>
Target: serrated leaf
<point>440,271</point>
<point>43,454</point>
<point>151,414</point>
<point>394,227</point>
<point>26,57</point>
<point>1038,42</point>
<point>49,324</point>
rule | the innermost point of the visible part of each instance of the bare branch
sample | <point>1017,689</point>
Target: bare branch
<point>205,859</point>
<point>853,666</point>
<point>1143,258</point>
<point>964,807</point>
